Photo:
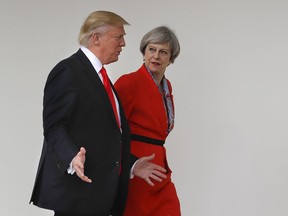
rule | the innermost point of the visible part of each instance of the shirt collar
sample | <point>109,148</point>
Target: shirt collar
<point>92,58</point>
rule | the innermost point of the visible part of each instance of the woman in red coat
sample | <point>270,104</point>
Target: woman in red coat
<point>146,96</point>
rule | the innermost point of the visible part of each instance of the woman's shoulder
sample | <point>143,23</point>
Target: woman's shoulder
<point>131,77</point>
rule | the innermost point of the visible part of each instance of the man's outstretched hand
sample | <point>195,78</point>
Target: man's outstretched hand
<point>147,170</point>
<point>78,164</point>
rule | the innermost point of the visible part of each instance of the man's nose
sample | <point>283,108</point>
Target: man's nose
<point>123,43</point>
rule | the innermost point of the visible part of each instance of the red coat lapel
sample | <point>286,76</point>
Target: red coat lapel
<point>154,96</point>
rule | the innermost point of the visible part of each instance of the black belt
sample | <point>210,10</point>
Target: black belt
<point>145,139</point>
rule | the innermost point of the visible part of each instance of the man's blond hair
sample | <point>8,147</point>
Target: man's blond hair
<point>96,20</point>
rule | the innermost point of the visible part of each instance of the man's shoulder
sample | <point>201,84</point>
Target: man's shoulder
<point>69,62</point>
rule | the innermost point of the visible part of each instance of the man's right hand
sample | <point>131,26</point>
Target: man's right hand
<point>78,164</point>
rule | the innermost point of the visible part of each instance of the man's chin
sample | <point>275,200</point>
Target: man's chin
<point>115,60</point>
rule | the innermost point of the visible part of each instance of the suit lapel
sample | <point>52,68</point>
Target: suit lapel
<point>97,83</point>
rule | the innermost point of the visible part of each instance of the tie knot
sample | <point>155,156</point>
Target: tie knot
<point>104,75</point>
<point>103,71</point>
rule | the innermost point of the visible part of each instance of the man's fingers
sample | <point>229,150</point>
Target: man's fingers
<point>81,175</point>
<point>156,178</point>
<point>159,169</point>
<point>86,179</point>
<point>149,171</point>
<point>160,174</point>
<point>148,158</point>
<point>149,181</point>
<point>82,151</point>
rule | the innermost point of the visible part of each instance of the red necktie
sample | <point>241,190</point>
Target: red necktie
<point>108,88</point>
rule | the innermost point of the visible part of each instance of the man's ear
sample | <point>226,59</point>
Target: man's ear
<point>95,38</point>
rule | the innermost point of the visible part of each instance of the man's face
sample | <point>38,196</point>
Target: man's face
<point>111,44</point>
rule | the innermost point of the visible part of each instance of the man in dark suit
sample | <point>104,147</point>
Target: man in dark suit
<point>86,163</point>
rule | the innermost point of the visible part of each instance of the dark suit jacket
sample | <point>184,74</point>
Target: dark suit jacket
<point>77,113</point>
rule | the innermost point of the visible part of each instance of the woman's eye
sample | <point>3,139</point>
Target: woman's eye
<point>151,49</point>
<point>163,52</point>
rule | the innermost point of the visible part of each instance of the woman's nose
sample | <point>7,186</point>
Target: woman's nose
<point>156,54</point>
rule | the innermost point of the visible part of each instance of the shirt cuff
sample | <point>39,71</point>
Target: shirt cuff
<point>70,169</point>
<point>132,169</point>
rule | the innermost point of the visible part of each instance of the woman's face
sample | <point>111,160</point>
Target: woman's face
<point>157,57</point>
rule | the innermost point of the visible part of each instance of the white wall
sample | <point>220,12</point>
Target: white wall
<point>228,150</point>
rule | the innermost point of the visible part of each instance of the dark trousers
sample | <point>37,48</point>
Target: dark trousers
<point>71,214</point>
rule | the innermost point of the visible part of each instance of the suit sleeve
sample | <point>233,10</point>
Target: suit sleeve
<point>60,97</point>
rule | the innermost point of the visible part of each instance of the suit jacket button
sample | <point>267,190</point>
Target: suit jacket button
<point>117,163</point>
